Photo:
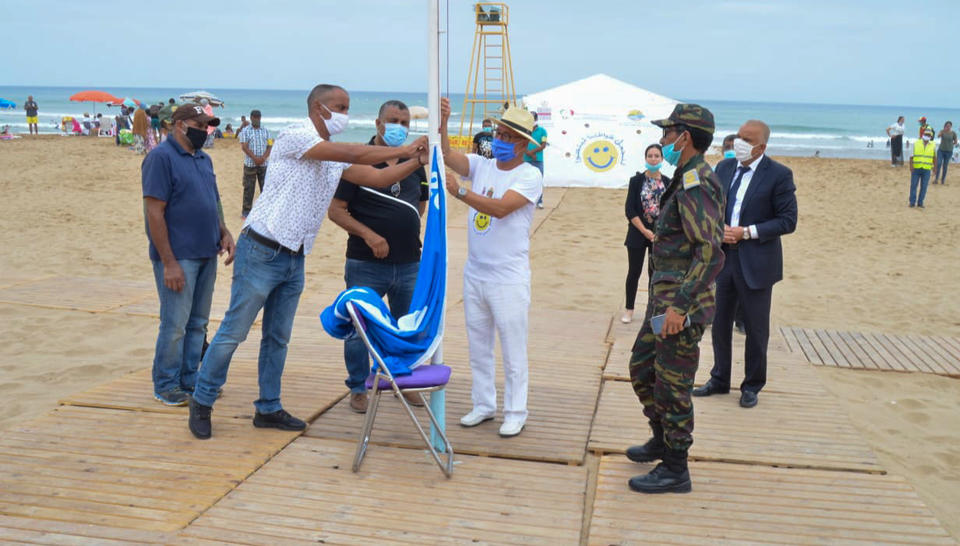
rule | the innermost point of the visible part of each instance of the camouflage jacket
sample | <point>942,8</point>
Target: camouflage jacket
<point>686,250</point>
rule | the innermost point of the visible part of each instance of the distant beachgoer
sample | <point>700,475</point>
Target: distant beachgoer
<point>186,231</point>
<point>228,131</point>
<point>243,125</point>
<point>483,141</point>
<point>255,143</point>
<point>923,126</point>
<point>921,163</point>
<point>534,153</point>
<point>305,171</point>
<point>154,112</point>
<point>140,127</point>
<point>642,209</point>
<point>31,109</point>
<point>895,132</point>
<point>948,140</point>
<point>165,115</point>
<point>207,109</point>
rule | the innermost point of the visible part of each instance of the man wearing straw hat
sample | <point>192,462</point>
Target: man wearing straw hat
<point>496,277</point>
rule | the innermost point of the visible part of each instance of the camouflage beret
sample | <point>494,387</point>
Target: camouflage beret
<point>691,115</point>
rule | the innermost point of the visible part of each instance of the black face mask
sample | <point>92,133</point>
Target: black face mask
<point>197,137</point>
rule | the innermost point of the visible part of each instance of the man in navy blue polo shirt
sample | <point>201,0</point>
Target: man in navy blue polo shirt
<point>185,227</point>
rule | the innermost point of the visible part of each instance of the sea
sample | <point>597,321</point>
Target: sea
<point>797,129</point>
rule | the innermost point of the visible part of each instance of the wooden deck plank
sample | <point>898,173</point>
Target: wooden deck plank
<point>932,359</point>
<point>807,348</point>
<point>880,356</point>
<point>914,362</point>
<point>794,430</point>
<point>36,531</point>
<point>861,357</point>
<point>790,338</point>
<point>96,466</point>
<point>831,347</point>
<point>308,493</point>
<point>825,355</point>
<point>773,505</point>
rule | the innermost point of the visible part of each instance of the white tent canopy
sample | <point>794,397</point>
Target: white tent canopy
<point>597,129</point>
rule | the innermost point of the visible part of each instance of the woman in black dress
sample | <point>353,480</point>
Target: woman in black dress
<point>642,208</point>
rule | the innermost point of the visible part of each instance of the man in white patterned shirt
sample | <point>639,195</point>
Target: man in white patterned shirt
<point>256,144</point>
<point>305,169</point>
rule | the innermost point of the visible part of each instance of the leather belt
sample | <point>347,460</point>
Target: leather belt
<point>270,243</point>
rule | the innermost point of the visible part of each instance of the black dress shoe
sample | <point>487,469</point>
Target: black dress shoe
<point>748,399</point>
<point>279,419</point>
<point>200,420</point>
<point>711,387</point>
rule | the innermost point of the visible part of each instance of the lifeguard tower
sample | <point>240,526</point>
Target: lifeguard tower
<point>490,79</point>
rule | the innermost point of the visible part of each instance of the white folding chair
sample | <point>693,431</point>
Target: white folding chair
<point>424,379</point>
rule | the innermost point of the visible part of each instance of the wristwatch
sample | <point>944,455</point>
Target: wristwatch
<point>461,192</point>
<point>746,233</point>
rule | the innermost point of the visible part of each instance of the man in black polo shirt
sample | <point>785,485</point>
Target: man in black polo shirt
<point>383,250</point>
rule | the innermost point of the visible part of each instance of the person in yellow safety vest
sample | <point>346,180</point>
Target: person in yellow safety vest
<point>921,163</point>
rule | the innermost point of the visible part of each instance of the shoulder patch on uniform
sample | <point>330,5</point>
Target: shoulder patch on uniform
<point>690,180</point>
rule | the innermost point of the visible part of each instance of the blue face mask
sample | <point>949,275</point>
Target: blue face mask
<point>729,154</point>
<point>670,155</point>
<point>503,151</point>
<point>488,129</point>
<point>394,134</point>
<point>653,168</point>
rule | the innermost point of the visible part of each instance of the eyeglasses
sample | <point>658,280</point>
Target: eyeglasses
<point>508,136</point>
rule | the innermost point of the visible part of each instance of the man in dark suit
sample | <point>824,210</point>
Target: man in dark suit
<point>761,205</point>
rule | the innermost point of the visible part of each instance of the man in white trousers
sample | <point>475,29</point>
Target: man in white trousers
<point>496,277</point>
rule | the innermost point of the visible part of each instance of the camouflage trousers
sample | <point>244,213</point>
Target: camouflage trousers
<point>662,373</point>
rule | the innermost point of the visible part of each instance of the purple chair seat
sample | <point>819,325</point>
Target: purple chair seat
<point>422,377</point>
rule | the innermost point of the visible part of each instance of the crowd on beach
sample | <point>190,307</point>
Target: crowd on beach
<point>926,156</point>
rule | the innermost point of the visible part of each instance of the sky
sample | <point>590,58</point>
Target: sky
<point>875,52</point>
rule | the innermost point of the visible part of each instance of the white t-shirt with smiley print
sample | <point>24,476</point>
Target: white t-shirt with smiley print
<point>498,250</point>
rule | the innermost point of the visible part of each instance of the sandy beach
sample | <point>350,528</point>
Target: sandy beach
<point>860,260</point>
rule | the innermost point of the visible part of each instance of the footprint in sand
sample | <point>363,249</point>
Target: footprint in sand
<point>911,403</point>
<point>918,418</point>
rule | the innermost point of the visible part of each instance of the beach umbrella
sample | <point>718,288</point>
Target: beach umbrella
<point>7,104</point>
<point>94,97</point>
<point>128,102</point>
<point>418,112</point>
<point>195,96</point>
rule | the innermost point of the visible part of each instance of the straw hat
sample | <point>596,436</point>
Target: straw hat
<point>519,121</point>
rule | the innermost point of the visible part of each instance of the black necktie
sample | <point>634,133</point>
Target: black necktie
<point>732,194</point>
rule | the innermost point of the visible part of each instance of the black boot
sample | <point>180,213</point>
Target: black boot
<point>670,476</point>
<point>650,451</point>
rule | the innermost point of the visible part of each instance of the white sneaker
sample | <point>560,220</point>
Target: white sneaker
<point>627,317</point>
<point>511,428</point>
<point>475,417</point>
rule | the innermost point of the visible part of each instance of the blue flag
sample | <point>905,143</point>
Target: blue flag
<point>408,341</point>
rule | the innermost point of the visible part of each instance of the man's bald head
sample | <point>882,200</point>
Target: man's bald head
<point>763,130</point>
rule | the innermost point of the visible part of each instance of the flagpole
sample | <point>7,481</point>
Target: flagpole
<point>437,398</point>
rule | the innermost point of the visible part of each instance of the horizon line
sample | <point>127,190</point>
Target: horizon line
<point>518,94</point>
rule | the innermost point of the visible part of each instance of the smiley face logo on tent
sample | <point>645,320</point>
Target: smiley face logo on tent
<point>600,155</point>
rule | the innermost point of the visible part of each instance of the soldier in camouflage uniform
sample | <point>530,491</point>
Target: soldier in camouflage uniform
<point>686,260</point>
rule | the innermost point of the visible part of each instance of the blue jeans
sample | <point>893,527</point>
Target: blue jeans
<point>263,278</point>
<point>921,176</point>
<point>944,157</point>
<point>183,324</point>
<point>396,281</point>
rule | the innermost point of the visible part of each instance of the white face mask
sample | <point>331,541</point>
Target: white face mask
<point>743,150</point>
<point>926,138</point>
<point>337,122</point>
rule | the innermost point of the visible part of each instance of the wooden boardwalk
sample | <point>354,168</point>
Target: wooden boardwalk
<point>112,466</point>
<point>738,504</point>
<point>910,353</point>
<point>308,495</point>
<point>789,430</point>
